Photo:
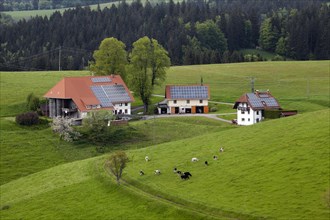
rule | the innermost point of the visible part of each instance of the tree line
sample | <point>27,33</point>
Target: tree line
<point>20,5</point>
<point>193,32</point>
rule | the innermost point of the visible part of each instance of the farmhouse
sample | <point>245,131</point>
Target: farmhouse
<point>74,97</point>
<point>180,99</point>
<point>251,106</point>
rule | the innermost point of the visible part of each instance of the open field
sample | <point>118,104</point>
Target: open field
<point>297,85</point>
<point>274,175</point>
<point>19,15</point>
<point>278,169</point>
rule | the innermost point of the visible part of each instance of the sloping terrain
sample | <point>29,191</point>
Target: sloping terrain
<point>277,169</point>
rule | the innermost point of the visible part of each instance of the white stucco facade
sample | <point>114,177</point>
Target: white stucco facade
<point>247,116</point>
<point>122,108</point>
<point>186,106</point>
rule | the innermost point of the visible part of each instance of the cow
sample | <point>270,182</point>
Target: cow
<point>141,173</point>
<point>194,159</point>
<point>157,172</point>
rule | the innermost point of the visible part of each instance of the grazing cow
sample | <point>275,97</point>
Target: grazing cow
<point>141,173</point>
<point>178,172</point>
<point>174,170</point>
<point>221,150</point>
<point>157,172</point>
<point>194,159</point>
<point>185,175</point>
<point>146,158</point>
<point>206,163</point>
<point>215,157</point>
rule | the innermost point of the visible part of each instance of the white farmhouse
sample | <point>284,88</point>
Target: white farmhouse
<point>181,99</point>
<point>250,107</point>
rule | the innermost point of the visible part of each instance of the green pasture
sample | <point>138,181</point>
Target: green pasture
<point>301,85</point>
<point>278,169</point>
<point>273,175</point>
<point>19,15</point>
<point>81,190</point>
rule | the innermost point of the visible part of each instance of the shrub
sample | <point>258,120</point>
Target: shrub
<point>32,102</point>
<point>63,126</point>
<point>29,118</point>
<point>213,109</point>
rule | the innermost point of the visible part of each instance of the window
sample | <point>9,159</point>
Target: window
<point>121,104</point>
<point>248,119</point>
<point>125,111</point>
<point>200,101</point>
<point>257,112</point>
<point>243,119</point>
<point>174,101</point>
<point>126,104</point>
<point>243,112</point>
<point>188,101</point>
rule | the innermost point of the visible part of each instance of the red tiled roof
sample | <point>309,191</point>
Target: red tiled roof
<point>79,89</point>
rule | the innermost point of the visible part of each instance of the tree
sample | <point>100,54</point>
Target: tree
<point>97,124</point>
<point>149,61</point>
<point>32,102</point>
<point>63,126</point>
<point>116,164</point>
<point>110,58</point>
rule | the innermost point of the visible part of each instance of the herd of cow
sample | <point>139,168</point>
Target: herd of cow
<point>183,175</point>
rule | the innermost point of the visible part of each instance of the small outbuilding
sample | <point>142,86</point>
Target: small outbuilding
<point>185,99</point>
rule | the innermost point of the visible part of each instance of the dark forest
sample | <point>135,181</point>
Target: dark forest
<point>193,32</point>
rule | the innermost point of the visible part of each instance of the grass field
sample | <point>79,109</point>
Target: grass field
<point>285,178</point>
<point>19,15</point>
<point>278,169</point>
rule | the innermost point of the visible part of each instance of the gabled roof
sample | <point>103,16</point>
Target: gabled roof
<point>258,101</point>
<point>187,92</point>
<point>92,90</point>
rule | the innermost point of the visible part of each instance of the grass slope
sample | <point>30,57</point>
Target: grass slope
<point>277,169</point>
<point>28,150</point>
<point>275,175</point>
<point>79,190</point>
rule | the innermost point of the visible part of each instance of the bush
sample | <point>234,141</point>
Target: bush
<point>213,109</point>
<point>33,102</point>
<point>29,118</point>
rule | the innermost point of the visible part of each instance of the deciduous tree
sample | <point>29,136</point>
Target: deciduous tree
<point>110,58</point>
<point>116,164</point>
<point>149,61</point>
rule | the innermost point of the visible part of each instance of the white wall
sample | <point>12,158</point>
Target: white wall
<point>245,117</point>
<point>122,107</point>
<point>183,103</point>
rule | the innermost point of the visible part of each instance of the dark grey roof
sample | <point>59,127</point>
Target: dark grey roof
<point>108,95</point>
<point>189,92</point>
<point>262,100</point>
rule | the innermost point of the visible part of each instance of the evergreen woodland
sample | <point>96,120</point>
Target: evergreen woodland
<point>193,32</point>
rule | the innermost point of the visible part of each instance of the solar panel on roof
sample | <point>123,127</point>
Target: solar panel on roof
<point>110,94</point>
<point>263,95</point>
<point>100,79</point>
<point>189,92</point>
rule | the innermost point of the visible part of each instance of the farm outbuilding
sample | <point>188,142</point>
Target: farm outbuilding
<point>74,97</point>
<point>185,99</point>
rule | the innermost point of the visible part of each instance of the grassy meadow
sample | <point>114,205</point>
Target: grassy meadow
<point>19,15</point>
<point>278,169</point>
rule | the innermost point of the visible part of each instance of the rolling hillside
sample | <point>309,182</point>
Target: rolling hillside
<point>278,169</point>
<point>266,171</point>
